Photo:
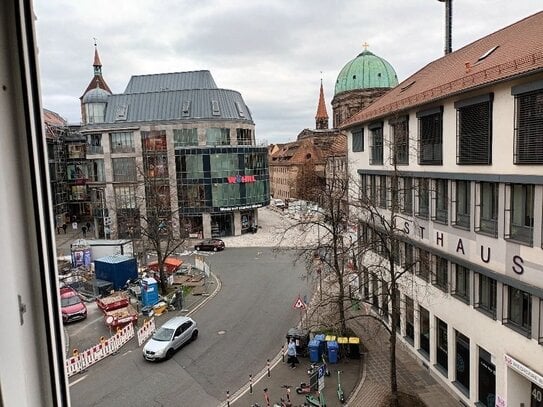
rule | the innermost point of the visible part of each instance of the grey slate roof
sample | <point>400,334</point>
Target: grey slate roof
<point>168,105</point>
<point>170,81</point>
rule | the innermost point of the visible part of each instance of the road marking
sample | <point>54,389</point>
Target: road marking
<point>77,381</point>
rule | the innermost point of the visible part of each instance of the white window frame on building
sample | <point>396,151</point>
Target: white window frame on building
<point>519,213</point>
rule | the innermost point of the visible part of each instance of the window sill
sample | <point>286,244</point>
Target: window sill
<point>462,388</point>
<point>522,331</point>
<point>424,217</point>
<point>485,233</point>
<point>424,354</point>
<point>441,288</point>
<point>529,244</point>
<point>458,226</point>
<point>409,340</point>
<point>465,300</point>
<point>442,370</point>
<point>441,221</point>
<point>488,313</point>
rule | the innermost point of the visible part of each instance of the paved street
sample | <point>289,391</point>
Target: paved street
<point>258,289</point>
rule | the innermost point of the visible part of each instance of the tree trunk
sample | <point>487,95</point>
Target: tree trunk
<point>161,272</point>
<point>394,402</point>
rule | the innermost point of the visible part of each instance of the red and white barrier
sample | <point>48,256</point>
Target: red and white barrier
<point>79,362</point>
<point>146,331</point>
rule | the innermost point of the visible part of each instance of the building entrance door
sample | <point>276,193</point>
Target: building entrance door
<point>222,225</point>
<point>537,396</point>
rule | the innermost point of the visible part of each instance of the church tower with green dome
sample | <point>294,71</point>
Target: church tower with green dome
<point>361,81</point>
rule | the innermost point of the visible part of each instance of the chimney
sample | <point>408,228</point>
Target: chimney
<point>448,25</point>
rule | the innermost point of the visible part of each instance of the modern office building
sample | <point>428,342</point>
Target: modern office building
<point>459,146</point>
<point>179,137</point>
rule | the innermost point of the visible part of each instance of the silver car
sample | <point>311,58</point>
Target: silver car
<point>170,337</point>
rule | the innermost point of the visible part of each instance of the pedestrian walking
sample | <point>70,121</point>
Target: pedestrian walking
<point>84,230</point>
<point>64,227</point>
<point>88,226</point>
<point>292,355</point>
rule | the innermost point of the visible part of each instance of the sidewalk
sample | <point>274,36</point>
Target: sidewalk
<point>413,378</point>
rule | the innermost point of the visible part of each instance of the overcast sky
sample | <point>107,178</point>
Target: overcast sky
<point>272,52</point>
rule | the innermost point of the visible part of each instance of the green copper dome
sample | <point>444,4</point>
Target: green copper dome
<point>366,71</point>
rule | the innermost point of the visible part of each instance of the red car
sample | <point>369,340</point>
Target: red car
<point>73,309</point>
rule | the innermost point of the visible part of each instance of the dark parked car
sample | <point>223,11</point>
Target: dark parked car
<point>210,244</point>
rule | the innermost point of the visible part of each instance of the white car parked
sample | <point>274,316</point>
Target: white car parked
<point>170,337</point>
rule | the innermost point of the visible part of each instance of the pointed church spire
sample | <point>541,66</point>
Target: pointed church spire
<point>97,64</point>
<point>98,80</point>
<point>321,120</point>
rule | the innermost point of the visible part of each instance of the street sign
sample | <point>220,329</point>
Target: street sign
<point>322,371</point>
<point>299,304</point>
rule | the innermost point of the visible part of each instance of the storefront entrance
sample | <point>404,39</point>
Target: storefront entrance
<point>222,225</point>
<point>537,396</point>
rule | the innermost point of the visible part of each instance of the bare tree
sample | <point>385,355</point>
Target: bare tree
<point>149,213</point>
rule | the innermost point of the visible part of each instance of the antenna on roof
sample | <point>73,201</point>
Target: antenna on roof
<point>94,38</point>
<point>448,25</point>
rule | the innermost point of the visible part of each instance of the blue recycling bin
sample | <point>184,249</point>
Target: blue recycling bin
<point>333,349</point>
<point>314,348</point>
<point>322,342</point>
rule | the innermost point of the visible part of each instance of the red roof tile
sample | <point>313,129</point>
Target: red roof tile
<point>510,52</point>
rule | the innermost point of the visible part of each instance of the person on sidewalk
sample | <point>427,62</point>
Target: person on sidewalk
<point>291,353</point>
<point>64,227</point>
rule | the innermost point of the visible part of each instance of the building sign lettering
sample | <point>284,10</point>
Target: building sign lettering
<point>239,208</point>
<point>485,251</point>
<point>241,179</point>
<point>524,370</point>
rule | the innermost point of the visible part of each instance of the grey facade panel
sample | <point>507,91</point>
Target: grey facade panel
<point>168,105</point>
<point>170,81</point>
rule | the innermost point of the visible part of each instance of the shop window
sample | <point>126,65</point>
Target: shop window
<point>442,345</point>
<point>519,311</point>
<point>528,143</point>
<point>486,295</point>
<point>474,137</point>
<point>424,333</point>
<point>462,363</point>
<point>486,208</point>
<point>431,137</point>
<point>462,204</point>
<point>409,320</point>
<point>519,213</point>
<point>487,379</point>
<point>461,289</point>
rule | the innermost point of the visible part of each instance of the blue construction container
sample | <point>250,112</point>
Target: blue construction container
<point>333,349</point>
<point>314,348</point>
<point>117,269</point>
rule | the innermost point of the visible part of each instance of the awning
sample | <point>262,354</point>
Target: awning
<point>171,264</point>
